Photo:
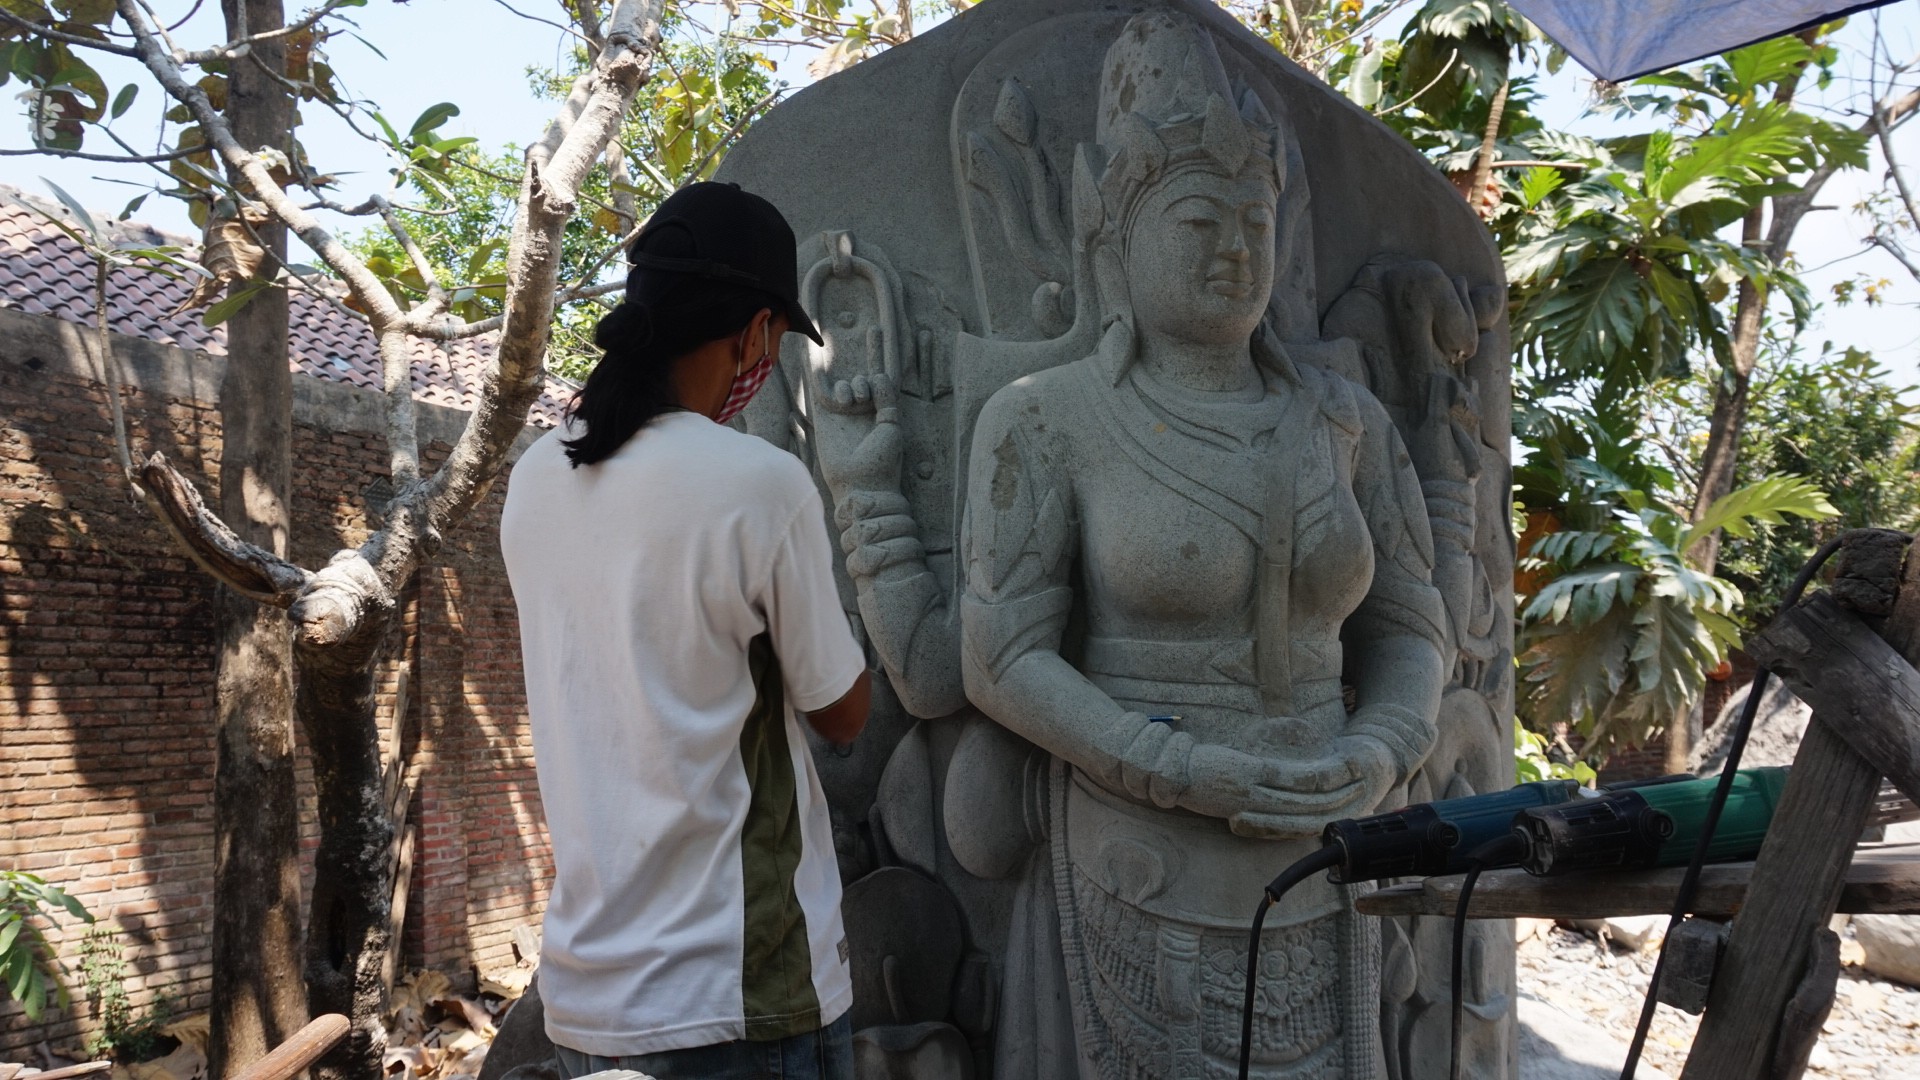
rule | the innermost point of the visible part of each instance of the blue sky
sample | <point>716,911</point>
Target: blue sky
<point>475,53</point>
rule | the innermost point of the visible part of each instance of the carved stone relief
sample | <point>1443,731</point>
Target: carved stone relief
<point>1164,559</point>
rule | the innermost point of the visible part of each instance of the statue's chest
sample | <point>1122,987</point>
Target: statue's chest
<point>1152,554</point>
<point>1149,553</point>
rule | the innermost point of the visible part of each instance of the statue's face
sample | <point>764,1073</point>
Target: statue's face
<point>1200,257</point>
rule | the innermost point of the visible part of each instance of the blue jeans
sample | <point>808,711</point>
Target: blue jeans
<point>826,1054</point>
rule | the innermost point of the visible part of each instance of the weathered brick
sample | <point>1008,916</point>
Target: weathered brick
<point>107,653</point>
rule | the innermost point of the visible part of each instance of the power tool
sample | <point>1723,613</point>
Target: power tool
<point>1433,838</point>
<point>1648,825</point>
<point>1421,840</point>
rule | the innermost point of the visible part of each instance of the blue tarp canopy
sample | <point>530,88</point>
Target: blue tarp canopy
<point>1619,39</point>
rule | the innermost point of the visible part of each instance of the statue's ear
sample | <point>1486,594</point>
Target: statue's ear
<point>1089,211</point>
<point>1115,355</point>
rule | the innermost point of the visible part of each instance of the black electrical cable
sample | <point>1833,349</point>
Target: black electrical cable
<point>1501,851</point>
<point>1326,858</point>
<point>1690,883</point>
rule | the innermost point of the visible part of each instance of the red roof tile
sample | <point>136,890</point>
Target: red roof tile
<point>43,272</point>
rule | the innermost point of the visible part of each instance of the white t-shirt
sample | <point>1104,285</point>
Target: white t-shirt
<point>696,899</point>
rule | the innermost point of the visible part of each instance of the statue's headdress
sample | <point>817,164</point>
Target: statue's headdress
<point>1165,108</point>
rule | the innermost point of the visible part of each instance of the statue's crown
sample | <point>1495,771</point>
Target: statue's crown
<point>1165,108</point>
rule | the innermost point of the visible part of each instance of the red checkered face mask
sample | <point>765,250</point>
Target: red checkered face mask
<point>746,384</point>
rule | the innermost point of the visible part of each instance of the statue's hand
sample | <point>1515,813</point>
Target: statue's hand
<point>1266,797</point>
<point>1350,782</point>
<point>877,531</point>
<point>1446,443</point>
<point>873,464</point>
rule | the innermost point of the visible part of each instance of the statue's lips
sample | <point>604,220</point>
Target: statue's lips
<point>1234,287</point>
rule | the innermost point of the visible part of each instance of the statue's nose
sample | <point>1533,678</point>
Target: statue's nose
<point>1236,245</point>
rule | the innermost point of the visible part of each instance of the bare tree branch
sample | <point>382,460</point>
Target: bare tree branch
<point>556,166</point>
<point>563,27</point>
<point>249,570</point>
<point>1894,248</point>
<point>436,301</point>
<point>1883,126</point>
<point>381,307</point>
<point>117,159</point>
<point>242,46</point>
<point>369,208</point>
<point>48,32</point>
<point>403,427</point>
<point>455,330</point>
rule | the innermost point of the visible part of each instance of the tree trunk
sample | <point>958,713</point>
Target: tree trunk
<point>1719,463</point>
<point>257,997</point>
<point>1722,456</point>
<point>349,932</point>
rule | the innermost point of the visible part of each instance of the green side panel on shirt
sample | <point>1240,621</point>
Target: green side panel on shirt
<point>776,982</point>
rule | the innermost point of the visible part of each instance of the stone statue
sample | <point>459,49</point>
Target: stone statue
<point>1165,562</point>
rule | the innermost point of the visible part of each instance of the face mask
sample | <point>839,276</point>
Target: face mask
<point>747,383</point>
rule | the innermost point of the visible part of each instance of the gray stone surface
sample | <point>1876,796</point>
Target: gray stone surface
<point>1559,1045</point>
<point>1891,944</point>
<point>1775,739</point>
<point>1163,414</point>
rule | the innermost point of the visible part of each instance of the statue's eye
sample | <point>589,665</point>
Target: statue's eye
<point>1260,220</point>
<point>1200,223</point>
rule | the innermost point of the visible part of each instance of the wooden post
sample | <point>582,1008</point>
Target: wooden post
<point>306,1046</point>
<point>1772,989</point>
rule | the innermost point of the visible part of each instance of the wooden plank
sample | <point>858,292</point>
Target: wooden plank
<point>1807,1010</point>
<point>1884,879</point>
<point>1830,794</point>
<point>1866,692</point>
<point>70,1072</point>
<point>305,1047</point>
<point>1794,890</point>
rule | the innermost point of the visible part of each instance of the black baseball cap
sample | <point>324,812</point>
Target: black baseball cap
<point>726,234</point>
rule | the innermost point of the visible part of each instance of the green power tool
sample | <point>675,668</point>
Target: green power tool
<point>1648,825</point>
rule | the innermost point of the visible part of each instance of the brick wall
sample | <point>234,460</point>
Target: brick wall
<point>106,672</point>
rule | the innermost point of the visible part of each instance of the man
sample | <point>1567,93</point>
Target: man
<point>678,615</point>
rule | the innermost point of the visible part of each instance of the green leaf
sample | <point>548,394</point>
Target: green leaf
<point>1757,144</point>
<point>10,931</point>
<point>392,135</point>
<point>1768,62</point>
<point>433,117</point>
<point>17,970</point>
<point>123,100</point>
<point>1766,501</point>
<point>224,309</point>
<point>1537,183</point>
<point>1365,84</point>
<point>79,211</point>
<point>1572,674</point>
<point>95,12</point>
<point>132,207</point>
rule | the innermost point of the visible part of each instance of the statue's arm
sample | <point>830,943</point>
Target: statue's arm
<point>1019,543</point>
<point>1395,641</point>
<point>902,604</point>
<point>903,607</point>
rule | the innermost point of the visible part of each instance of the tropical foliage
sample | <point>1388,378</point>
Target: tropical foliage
<point>1620,630</point>
<point>1616,257</point>
<point>27,964</point>
<point>1833,416</point>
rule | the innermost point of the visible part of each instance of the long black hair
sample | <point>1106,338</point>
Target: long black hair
<point>665,316</point>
